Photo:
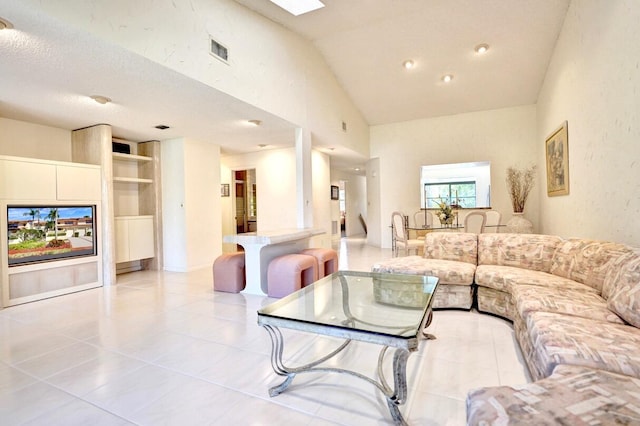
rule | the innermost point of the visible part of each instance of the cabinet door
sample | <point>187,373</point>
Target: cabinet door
<point>122,240</point>
<point>78,183</point>
<point>141,241</point>
<point>23,180</point>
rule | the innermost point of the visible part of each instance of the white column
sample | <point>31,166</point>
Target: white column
<point>304,179</point>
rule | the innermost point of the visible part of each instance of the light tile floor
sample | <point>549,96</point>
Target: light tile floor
<point>163,348</point>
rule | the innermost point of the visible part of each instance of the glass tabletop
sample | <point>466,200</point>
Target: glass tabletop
<point>394,305</point>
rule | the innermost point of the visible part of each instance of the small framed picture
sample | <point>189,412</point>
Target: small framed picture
<point>224,189</point>
<point>335,192</point>
<point>557,155</point>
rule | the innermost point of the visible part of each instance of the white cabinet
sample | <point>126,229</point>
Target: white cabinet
<point>78,183</point>
<point>135,207</point>
<point>131,189</point>
<point>134,238</point>
<point>24,179</point>
<point>34,183</point>
<point>30,179</point>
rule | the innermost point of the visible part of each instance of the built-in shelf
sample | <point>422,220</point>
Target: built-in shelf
<point>130,157</point>
<point>131,180</point>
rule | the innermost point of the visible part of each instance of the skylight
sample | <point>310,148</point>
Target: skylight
<point>298,7</point>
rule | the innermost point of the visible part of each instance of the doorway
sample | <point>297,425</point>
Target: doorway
<point>246,200</point>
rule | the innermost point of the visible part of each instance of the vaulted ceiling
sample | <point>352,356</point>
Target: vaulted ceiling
<point>48,68</point>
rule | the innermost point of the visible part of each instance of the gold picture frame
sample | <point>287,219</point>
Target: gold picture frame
<point>557,156</point>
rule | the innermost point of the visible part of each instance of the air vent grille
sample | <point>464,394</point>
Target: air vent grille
<point>219,51</point>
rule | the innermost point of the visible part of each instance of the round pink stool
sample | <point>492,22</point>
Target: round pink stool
<point>290,273</point>
<point>228,273</point>
<point>327,260</point>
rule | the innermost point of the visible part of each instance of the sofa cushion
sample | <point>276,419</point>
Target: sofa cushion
<point>571,396</point>
<point>586,261</point>
<point>453,296</point>
<point>564,339</point>
<point>586,304</point>
<point>496,302</point>
<point>456,246</point>
<point>615,275</point>
<point>448,271</point>
<point>529,251</point>
<point>625,300</point>
<point>504,277</point>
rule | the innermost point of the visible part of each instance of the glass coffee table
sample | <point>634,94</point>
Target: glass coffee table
<point>391,310</point>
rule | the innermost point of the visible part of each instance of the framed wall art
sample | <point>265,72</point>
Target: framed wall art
<point>224,189</point>
<point>557,155</point>
<point>335,192</point>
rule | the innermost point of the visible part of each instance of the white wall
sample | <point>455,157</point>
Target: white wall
<point>504,137</point>
<point>321,188</point>
<point>355,187</point>
<point>191,204</point>
<point>593,82</point>
<point>269,66</point>
<point>375,230</point>
<point>22,139</point>
<point>227,208</point>
<point>275,185</point>
<point>173,199</point>
<point>276,188</point>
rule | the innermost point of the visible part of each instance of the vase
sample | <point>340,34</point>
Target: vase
<point>518,224</point>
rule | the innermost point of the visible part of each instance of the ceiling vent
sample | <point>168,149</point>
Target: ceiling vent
<point>219,51</point>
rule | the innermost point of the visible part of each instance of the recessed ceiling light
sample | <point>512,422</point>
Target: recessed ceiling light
<point>447,78</point>
<point>255,122</point>
<point>357,169</point>
<point>408,64</point>
<point>5,25</point>
<point>100,99</point>
<point>481,48</point>
<point>298,7</point>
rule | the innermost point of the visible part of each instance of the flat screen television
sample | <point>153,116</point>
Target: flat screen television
<point>44,233</point>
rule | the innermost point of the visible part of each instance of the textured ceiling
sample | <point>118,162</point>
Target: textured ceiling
<point>48,69</point>
<point>365,42</point>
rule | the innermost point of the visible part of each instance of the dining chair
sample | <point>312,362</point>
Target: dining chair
<point>493,221</point>
<point>400,235</point>
<point>419,219</point>
<point>474,222</point>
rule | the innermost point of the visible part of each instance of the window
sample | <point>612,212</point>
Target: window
<point>470,182</point>
<point>462,194</point>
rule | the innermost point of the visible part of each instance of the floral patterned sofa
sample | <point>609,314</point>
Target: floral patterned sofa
<point>450,256</point>
<point>573,302</point>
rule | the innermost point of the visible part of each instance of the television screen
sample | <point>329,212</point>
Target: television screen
<point>49,232</point>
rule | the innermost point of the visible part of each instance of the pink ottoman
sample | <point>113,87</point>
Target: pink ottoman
<point>290,273</point>
<point>228,273</point>
<point>327,260</point>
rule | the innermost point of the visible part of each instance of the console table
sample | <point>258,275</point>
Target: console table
<point>260,248</point>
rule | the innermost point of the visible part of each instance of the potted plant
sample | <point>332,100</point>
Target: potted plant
<point>519,184</point>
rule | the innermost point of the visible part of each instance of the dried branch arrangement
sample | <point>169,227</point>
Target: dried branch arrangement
<point>520,183</point>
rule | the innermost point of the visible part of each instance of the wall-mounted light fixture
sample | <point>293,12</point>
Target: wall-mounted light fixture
<point>255,122</point>
<point>5,25</point>
<point>481,48</point>
<point>408,64</point>
<point>102,100</point>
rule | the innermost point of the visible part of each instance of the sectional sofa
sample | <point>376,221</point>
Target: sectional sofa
<point>575,306</point>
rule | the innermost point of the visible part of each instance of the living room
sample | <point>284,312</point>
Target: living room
<point>591,82</point>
